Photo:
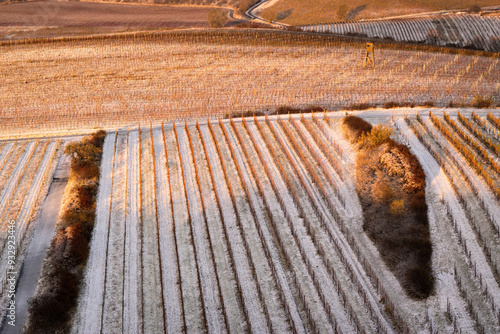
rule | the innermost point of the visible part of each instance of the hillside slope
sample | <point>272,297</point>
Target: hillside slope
<point>297,12</point>
<point>88,82</point>
<point>240,6</point>
<point>451,29</point>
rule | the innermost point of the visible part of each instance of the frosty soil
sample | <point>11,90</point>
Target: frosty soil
<point>26,169</point>
<point>272,237</point>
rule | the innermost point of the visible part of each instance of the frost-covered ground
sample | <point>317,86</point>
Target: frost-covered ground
<point>26,170</point>
<point>255,225</point>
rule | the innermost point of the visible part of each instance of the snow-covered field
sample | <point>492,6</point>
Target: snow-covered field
<point>26,170</point>
<point>254,225</point>
<point>460,29</point>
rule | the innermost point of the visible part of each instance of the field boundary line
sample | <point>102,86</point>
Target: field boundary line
<point>109,226</point>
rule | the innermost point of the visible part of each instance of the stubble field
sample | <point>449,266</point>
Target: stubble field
<point>36,19</point>
<point>74,14</point>
<point>117,81</point>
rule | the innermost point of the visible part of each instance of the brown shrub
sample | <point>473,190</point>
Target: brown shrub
<point>69,248</point>
<point>85,217</point>
<point>391,104</point>
<point>474,8</point>
<point>342,12</point>
<point>382,191</point>
<point>420,282</point>
<point>480,101</point>
<point>82,152</point>
<point>86,195</point>
<point>397,207</point>
<point>360,106</point>
<point>422,246</point>
<point>354,127</point>
<point>76,251</point>
<point>417,203</point>
<point>217,18</point>
<point>57,246</point>
<point>97,139</point>
<point>378,135</point>
<point>392,164</point>
<point>49,309</point>
<point>414,175</point>
<point>86,170</point>
<point>391,185</point>
<point>255,25</point>
<point>244,114</point>
<point>283,110</point>
<point>86,155</point>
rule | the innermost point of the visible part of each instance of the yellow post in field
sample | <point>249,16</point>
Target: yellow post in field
<point>370,55</point>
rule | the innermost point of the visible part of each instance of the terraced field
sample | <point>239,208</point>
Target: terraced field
<point>255,225</point>
<point>460,30</point>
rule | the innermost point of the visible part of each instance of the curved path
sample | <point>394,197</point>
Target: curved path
<point>255,17</point>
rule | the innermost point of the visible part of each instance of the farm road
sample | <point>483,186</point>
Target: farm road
<point>44,231</point>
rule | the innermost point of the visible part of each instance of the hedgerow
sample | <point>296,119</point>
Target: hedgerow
<point>391,184</point>
<point>57,293</point>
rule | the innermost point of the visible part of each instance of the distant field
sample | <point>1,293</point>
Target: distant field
<point>78,17</point>
<point>297,12</point>
<point>225,3</point>
<point>210,73</point>
<point>452,29</point>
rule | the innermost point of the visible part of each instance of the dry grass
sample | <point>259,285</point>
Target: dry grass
<point>391,186</point>
<point>220,3</point>
<point>87,83</point>
<point>354,128</point>
<point>322,11</point>
<point>87,14</point>
<point>38,19</point>
<point>10,33</point>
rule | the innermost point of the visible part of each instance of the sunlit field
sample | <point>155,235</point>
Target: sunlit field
<point>87,83</point>
<point>298,12</point>
<point>248,180</point>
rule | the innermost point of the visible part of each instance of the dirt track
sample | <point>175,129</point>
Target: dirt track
<point>43,234</point>
<point>85,14</point>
